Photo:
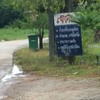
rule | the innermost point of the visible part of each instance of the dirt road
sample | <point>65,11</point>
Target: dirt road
<point>32,87</point>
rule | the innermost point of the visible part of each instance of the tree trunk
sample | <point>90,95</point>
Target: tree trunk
<point>51,34</point>
<point>40,42</point>
<point>41,34</point>
<point>69,8</point>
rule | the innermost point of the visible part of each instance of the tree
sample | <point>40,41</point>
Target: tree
<point>8,14</point>
<point>51,6</point>
<point>89,19</point>
<point>51,34</point>
<point>40,23</point>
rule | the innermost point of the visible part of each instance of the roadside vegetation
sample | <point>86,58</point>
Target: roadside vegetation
<point>13,34</point>
<point>7,34</point>
<point>37,62</point>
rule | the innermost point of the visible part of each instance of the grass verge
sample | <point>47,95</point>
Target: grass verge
<point>7,34</point>
<point>38,62</point>
<point>94,49</point>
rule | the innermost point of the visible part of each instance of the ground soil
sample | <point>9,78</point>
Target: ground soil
<point>34,87</point>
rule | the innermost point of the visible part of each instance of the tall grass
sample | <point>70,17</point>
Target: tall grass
<point>16,33</point>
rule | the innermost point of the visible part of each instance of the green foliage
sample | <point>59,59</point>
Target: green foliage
<point>87,19</point>
<point>27,5</point>
<point>19,24</point>
<point>32,10</point>
<point>40,22</point>
<point>7,34</point>
<point>88,15</point>
<point>94,49</point>
<point>87,39</point>
<point>10,33</point>
<point>97,26</point>
<point>8,15</point>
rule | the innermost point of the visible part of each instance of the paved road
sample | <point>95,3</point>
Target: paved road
<point>7,48</point>
<point>6,51</point>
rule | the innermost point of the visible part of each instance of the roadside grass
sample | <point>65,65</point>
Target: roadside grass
<point>94,49</point>
<point>38,62</point>
<point>7,34</point>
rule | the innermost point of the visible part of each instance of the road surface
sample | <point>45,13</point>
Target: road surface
<point>6,51</point>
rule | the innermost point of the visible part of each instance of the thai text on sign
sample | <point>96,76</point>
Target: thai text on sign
<point>68,37</point>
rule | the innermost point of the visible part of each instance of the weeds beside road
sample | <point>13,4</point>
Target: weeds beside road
<point>38,62</point>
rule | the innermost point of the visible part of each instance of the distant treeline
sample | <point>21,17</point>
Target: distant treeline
<point>8,15</point>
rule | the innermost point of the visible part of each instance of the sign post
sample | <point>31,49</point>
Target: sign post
<point>68,35</point>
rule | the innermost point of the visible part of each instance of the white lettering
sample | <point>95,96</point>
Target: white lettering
<point>74,34</point>
<point>66,29</point>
